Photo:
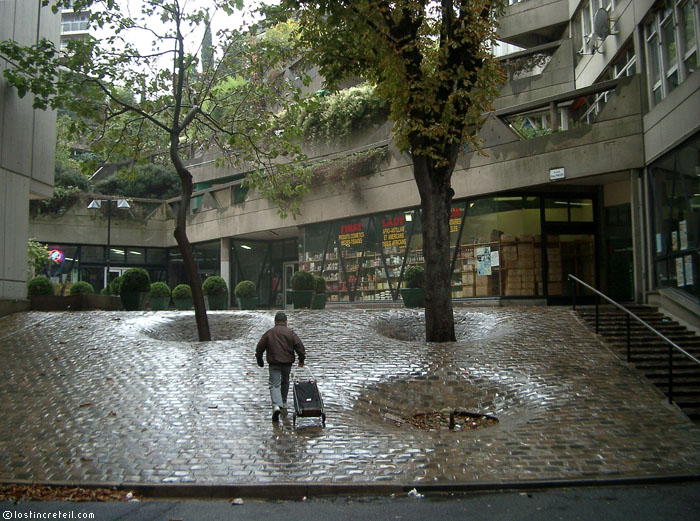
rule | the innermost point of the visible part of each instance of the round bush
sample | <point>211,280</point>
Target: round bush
<point>81,287</point>
<point>39,286</point>
<point>413,277</point>
<point>135,280</point>
<point>215,286</point>
<point>246,289</point>
<point>182,291</point>
<point>159,289</point>
<point>105,291</point>
<point>115,286</point>
<point>319,284</point>
<point>303,281</point>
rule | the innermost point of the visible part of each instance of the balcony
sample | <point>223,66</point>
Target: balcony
<point>534,22</point>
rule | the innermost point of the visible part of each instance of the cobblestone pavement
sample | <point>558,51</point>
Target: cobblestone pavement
<point>133,397</point>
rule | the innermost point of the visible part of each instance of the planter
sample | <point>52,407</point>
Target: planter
<point>106,302</point>
<point>57,302</point>
<point>215,302</point>
<point>247,302</point>
<point>413,297</point>
<point>319,301</point>
<point>134,301</point>
<point>302,298</point>
<point>182,304</point>
<point>160,303</point>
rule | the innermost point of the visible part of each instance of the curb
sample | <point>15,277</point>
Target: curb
<point>292,491</point>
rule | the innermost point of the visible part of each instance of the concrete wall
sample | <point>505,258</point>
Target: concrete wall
<point>27,147</point>
<point>524,19</point>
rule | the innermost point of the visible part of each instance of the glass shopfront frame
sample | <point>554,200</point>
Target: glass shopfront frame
<point>500,246</point>
<point>674,190</point>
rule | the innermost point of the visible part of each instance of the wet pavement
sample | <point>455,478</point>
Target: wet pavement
<point>133,398</point>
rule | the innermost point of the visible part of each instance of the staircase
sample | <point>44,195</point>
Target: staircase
<point>649,353</point>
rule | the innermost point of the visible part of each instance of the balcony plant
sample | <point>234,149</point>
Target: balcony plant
<point>303,285</point>
<point>135,285</point>
<point>215,292</point>
<point>247,294</point>
<point>159,296</point>
<point>182,297</point>
<point>319,299</point>
<point>412,293</point>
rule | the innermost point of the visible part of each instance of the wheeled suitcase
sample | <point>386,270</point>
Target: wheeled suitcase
<point>307,400</point>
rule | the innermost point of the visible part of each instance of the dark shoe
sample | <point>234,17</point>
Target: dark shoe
<point>276,414</point>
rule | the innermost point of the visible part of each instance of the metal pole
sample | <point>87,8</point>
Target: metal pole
<point>629,352</point>
<point>670,374</point>
<point>109,239</point>
<point>597,326</point>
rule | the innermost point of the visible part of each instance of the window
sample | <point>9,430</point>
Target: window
<point>582,26</point>
<point>71,22</point>
<point>671,34</point>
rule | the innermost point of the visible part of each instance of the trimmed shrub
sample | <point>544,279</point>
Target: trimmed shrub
<point>245,289</point>
<point>105,291</point>
<point>115,286</point>
<point>82,287</point>
<point>215,286</point>
<point>303,281</point>
<point>413,277</point>
<point>319,284</point>
<point>159,289</point>
<point>39,286</point>
<point>135,280</point>
<point>182,291</point>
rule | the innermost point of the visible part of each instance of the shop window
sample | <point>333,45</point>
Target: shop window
<point>157,256</point>
<point>581,210</point>
<point>136,255</point>
<point>556,210</point>
<point>675,193</point>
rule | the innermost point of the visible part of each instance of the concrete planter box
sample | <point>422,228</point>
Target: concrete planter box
<point>413,297</point>
<point>216,302</point>
<point>318,301</point>
<point>302,298</point>
<point>159,303</point>
<point>75,302</point>
<point>247,302</point>
<point>134,301</point>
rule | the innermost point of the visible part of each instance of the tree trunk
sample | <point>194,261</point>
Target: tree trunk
<point>436,198</point>
<point>180,233</point>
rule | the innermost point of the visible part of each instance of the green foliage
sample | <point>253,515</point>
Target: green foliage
<point>245,289</point>
<point>215,286</point>
<point>526,130</point>
<point>147,181</point>
<point>303,281</point>
<point>63,198</point>
<point>37,255</point>
<point>82,287</point>
<point>319,284</point>
<point>39,286</point>
<point>105,291</point>
<point>159,289</point>
<point>413,277</point>
<point>344,172</point>
<point>115,286</point>
<point>135,280</point>
<point>338,116</point>
<point>182,291</point>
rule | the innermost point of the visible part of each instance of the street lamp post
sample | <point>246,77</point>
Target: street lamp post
<point>96,204</point>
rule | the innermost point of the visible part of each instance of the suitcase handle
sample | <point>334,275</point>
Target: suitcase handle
<point>296,374</point>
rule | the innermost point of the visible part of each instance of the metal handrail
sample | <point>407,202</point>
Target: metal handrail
<point>671,344</point>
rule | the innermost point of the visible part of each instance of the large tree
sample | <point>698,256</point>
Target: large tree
<point>129,101</point>
<point>432,61</point>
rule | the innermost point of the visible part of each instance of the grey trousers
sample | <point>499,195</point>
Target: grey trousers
<point>279,383</point>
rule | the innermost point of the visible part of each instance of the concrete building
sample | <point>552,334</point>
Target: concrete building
<point>27,151</point>
<point>592,168</point>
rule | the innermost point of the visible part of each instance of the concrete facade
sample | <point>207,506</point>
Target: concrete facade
<point>593,94</point>
<point>27,148</point>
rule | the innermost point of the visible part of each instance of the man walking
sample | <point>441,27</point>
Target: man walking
<point>280,343</point>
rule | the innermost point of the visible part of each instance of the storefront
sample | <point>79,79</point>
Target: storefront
<point>674,190</point>
<point>503,246</point>
<point>71,263</point>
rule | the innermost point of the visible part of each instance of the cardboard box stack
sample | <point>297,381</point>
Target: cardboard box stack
<point>519,259</point>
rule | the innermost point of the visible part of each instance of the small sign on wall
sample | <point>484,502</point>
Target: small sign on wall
<point>557,173</point>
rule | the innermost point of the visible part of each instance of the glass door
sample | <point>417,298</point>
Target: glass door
<point>289,269</point>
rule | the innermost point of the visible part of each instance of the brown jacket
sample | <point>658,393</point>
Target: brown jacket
<point>280,342</point>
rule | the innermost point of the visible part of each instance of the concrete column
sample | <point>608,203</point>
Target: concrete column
<point>639,234</point>
<point>225,247</point>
